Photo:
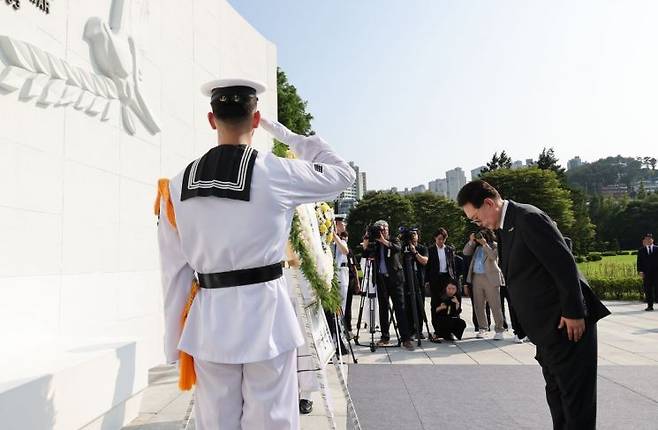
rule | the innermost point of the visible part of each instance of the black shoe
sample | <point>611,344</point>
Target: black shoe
<point>305,406</point>
<point>384,342</point>
<point>649,308</point>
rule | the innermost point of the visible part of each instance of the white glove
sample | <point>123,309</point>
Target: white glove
<point>281,133</point>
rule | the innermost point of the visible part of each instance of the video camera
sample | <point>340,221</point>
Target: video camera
<point>406,234</point>
<point>373,232</point>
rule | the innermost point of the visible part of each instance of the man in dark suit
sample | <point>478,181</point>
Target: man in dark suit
<point>440,269</point>
<point>647,267</point>
<point>554,304</point>
<point>390,283</point>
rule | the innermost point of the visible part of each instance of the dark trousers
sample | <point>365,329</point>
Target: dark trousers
<point>451,326</point>
<point>437,289</point>
<point>516,325</point>
<point>348,309</point>
<point>338,341</point>
<point>390,286</point>
<point>419,301</point>
<point>504,294</point>
<point>569,370</point>
<point>650,288</point>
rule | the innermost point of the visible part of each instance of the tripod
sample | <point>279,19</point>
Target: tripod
<point>342,334</point>
<point>369,291</point>
<point>412,291</point>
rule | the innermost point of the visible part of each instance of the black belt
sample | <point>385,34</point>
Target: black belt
<point>343,264</point>
<point>237,278</point>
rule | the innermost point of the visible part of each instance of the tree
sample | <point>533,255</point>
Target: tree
<point>641,192</point>
<point>502,161</point>
<point>291,111</point>
<point>537,187</point>
<point>432,211</point>
<point>583,232</point>
<point>617,170</point>
<point>605,213</point>
<point>638,218</point>
<point>548,161</point>
<point>291,108</point>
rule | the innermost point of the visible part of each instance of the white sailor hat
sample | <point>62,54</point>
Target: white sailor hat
<point>229,83</point>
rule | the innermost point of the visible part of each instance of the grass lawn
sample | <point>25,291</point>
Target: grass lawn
<point>617,259</point>
<point>616,267</point>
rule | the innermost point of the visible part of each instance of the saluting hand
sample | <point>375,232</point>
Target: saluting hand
<point>575,328</point>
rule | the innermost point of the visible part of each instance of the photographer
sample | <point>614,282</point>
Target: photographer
<point>390,279</point>
<point>440,269</point>
<point>485,277</point>
<point>450,324</point>
<point>419,253</point>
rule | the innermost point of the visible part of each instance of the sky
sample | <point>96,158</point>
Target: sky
<point>410,89</point>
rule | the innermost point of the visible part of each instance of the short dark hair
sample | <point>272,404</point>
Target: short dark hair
<point>234,112</point>
<point>647,235</point>
<point>441,231</point>
<point>475,193</point>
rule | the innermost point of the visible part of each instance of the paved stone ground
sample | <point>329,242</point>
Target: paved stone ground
<point>494,383</point>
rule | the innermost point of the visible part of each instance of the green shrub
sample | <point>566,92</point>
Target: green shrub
<point>617,288</point>
<point>580,259</point>
<point>633,252</point>
<point>609,253</point>
<point>595,253</point>
<point>594,257</point>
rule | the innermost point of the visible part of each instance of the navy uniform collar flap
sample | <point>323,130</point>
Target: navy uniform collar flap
<point>225,172</point>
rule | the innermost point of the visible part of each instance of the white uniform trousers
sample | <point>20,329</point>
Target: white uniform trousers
<point>256,396</point>
<point>307,378</point>
<point>344,283</point>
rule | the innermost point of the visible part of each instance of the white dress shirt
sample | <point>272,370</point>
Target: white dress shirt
<point>443,261</point>
<point>503,213</point>
<point>252,322</point>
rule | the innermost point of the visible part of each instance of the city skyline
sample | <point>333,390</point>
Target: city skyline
<point>440,185</point>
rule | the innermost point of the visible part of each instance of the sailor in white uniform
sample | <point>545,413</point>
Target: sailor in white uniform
<point>341,251</point>
<point>233,209</point>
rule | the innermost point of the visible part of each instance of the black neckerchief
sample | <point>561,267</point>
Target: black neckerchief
<point>225,171</point>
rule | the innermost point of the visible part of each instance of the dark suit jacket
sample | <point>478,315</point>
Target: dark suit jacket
<point>542,277</point>
<point>392,257</point>
<point>647,264</point>
<point>433,264</point>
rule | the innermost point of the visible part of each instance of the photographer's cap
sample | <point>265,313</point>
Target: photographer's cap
<point>340,217</point>
<point>231,88</point>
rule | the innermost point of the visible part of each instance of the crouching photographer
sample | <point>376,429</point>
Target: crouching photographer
<point>389,274</point>
<point>451,326</point>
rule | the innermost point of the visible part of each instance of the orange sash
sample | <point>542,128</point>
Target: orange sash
<point>186,374</point>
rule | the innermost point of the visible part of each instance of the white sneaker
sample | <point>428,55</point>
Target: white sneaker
<point>479,334</point>
<point>499,336</point>
<point>517,340</point>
